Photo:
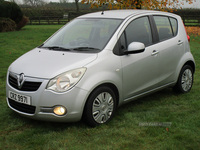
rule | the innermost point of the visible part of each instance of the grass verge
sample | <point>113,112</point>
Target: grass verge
<point>123,132</point>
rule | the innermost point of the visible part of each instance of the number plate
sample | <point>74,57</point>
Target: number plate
<point>20,98</point>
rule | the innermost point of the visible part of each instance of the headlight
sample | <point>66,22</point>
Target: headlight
<point>65,81</point>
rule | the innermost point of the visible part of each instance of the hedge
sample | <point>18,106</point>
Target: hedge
<point>11,10</point>
<point>6,24</point>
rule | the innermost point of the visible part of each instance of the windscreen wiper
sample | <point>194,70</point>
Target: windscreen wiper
<point>58,48</point>
<point>85,48</point>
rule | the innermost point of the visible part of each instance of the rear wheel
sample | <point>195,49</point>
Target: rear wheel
<point>185,80</point>
<point>100,106</point>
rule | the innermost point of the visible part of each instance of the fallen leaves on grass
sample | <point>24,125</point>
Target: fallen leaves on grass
<point>193,30</point>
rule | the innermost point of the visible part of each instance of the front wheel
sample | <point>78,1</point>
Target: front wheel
<point>100,106</point>
<point>185,80</point>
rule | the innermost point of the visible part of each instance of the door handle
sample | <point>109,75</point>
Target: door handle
<point>155,52</point>
<point>180,42</point>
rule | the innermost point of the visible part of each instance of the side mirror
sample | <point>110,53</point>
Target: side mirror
<point>135,47</point>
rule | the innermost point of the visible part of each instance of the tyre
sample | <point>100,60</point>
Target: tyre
<point>100,106</point>
<point>185,80</point>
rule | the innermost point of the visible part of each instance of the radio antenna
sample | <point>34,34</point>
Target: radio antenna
<point>102,13</point>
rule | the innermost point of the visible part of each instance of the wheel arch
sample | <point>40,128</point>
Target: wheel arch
<point>110,85</point>
<point>186,59</point>
<point>190,63</point>
<point>184,85</point>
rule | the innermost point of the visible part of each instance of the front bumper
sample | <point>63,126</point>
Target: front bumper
<point>43,101</point>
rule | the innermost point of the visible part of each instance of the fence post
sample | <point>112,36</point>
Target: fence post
<point>183,17</point>
<point>30,21</point>
<point>69,15</point>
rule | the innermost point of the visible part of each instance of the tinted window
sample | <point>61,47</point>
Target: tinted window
<point>163,27</point>
<point>139,31</point>
<point>174,25</point>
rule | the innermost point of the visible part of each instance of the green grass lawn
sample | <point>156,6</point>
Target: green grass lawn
<point>122,132</point>
<point>192,22</point>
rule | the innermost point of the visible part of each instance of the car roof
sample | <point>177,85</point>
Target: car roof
<point>120,14</point>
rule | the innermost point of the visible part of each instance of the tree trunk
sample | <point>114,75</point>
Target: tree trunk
<point>139,4</point>
<point>77,6</point>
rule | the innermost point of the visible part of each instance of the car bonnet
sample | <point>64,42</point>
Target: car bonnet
<point>40,63</point>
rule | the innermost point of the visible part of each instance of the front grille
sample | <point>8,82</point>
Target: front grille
<point>22,107</point>
<point>27,86</point>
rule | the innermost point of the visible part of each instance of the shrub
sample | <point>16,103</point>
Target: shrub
<point>11,10</point>
<point>22,23</point>
<point>6,24</point>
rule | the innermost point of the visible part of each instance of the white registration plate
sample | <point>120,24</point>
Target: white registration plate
<point>20,98</point>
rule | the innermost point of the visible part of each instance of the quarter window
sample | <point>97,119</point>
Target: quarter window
<point>174,25</point>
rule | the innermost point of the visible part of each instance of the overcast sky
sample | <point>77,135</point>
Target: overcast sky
<point>194,5</point>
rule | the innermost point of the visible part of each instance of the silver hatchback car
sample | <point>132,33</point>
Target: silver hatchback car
<point>98,62</point>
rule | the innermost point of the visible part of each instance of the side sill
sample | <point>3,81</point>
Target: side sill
<point>149,92</point>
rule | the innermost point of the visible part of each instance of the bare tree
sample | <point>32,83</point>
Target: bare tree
<point>77,6</point>
<point>14,1</point>
<point>34,2</point>
<point>64,1</point>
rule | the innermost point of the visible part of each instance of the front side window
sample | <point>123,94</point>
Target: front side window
<point>123,41</point>
<point>163,27</point>
<point>84,34</point>
<point>139,31</point>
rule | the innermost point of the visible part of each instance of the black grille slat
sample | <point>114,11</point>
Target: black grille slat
<point>13,82</point>
<point>22,107</point>
<point>27,86</point>
<point>31,86</point>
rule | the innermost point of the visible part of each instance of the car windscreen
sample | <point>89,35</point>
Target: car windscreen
<point>83,35</point>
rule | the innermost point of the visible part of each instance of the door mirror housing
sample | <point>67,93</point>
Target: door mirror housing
<point>135,47</point>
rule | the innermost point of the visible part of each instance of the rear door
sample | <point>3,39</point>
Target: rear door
<point>170,47</point>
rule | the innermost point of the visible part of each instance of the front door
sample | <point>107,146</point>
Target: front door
<point>140,71</point>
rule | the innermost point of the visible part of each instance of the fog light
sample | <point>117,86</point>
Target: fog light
<point>59,110</point>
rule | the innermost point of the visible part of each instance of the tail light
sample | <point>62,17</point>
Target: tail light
<point>188,37</point>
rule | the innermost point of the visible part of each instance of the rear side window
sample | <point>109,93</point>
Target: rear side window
<point>163,27</point>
